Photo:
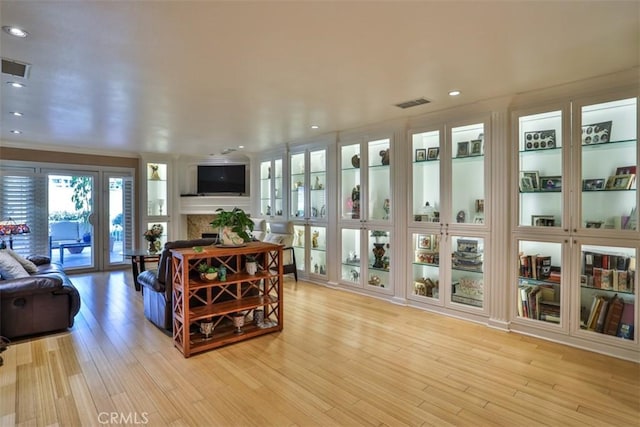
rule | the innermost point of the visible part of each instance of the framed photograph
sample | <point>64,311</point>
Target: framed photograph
<point>424,241</point>
<point>467,245</point>
<point>535,179</point>
<point>526,185</point>
<point>551,183</point>
<point>433,153</point>
<point>421,154</point>
<point>463,149</point>
<point>620,182</point>
<point>626,170</point>
<point>594,224</point>
<point>593,184</point>
<point>540,140</point>
<point>476,147</point>
<point>597,133</point>
<point>425,257</point>
<point>543,221</point>
<point>479,206</point>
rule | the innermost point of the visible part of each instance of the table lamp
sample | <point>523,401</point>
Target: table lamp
<point>8,228</point>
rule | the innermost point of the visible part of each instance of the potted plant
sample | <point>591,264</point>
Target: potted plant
<point>233,226</point>
<point>377,234</point>
<point>207,272</point>
<point>251,264</point>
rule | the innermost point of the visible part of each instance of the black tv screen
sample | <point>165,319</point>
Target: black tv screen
<point>221,179</point>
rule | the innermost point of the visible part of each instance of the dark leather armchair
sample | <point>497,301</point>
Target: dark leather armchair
<point>158,289</point>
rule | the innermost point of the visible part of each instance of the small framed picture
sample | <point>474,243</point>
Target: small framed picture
<point>626,170</point>
<point>526,184</point>
<point>540,140</point>
<point>620,182</point>
<point>421,154</point>
<point>535,179</point>
<point>593,184</point>
<point>463,149</point>
<point>594,224</point>
<point>476,147</point>
<point>433,153</point>
<point>478,219</point>
<point>479,206</point>
<point>597,133</point>
<point>551,183</point>
<point>424,241</point>
<point>543,221</point>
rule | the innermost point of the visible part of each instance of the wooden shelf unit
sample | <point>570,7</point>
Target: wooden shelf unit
<point>195,299</point>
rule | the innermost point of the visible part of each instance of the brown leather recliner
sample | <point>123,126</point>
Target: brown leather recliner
<point>46,301</point>
<point>158,288</point>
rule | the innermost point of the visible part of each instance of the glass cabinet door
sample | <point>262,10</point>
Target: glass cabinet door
<point>379,180</point>
<point>538,295</point>
<point>299,245</point>
<point>467,272</point>
<point>318,184</point>
<point>426,176</point>
<point>608,161</point>
<point>607,294</point>
<point>350,265</point>
<point>540,170</point>
<point>278,189</point>
<point>379,258</point>
<point>426,265</point>
<point>265,188</point>
<point>297,186</point>
<point>318,252</point>
<point>156,189</point>
<point>467,174</point>
<point>350,182</point>
<point>271,188</point>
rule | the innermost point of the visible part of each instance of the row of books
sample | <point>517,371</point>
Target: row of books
<point>536,266</point>
<point>538,302</point>
<point>615,280</point>
<point>611,316</point>
<point>593,260</point>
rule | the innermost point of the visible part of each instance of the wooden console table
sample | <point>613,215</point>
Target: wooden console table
<point>196,301</point>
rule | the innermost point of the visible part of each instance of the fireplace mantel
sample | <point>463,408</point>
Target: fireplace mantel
<point>202,205</point>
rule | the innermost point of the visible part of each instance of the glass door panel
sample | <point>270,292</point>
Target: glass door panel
<point>318,184</point>
<point>609,165</point>
<point>265,188</point>
<point>608,290</point>
<point>467,173</point>
<point>426,265</point>
<point>120,226</point>
<point>467,277</point>
<point>350,265</point>
<point>539,280</point>
<point>278,189</point>
<point>426,176</point>
<point>540,170</point>
<point>156,189</point>
<point>379,259</point>
<point>379,180</point>
<point>299,245</point>
<point>297,185</point>
<point>350,182</point>
<point>318,257</point>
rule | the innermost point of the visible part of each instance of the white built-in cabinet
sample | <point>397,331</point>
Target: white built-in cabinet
<point>448,231</point>
<point>575,236</point>
<point>365,214</point>
<point>156,197</point>
<point>272,192</point>
<point>308,209</point>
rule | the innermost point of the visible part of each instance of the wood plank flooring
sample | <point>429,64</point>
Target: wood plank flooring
<point>342,359</point>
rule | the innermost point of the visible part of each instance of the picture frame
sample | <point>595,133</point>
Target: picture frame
<point>479,206</point>
<point>467,246</point>
<point>543,221</point>
<point>433,153</point>
<point>526,184</point>
<point>594,224</point>
<point>478,219</point>
<point>475,148</point>
<point>620,182</point>
<point>421,154</point>
<point>540,140</point>
<point>535,179</point>
<point>423,241</point>
<point>626,170</point>
<point>595,184</point>
<point>550,183</point>
<point>596,133</point>
<point>463,149</point>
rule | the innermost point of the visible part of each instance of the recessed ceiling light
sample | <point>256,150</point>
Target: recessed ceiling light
<point>241,146</point>
<point>15,31</point>
<point>15,131</point>
<point>315,127</point>
<point>16,113</point>
<point>16,84</point>
<point>454,93</point>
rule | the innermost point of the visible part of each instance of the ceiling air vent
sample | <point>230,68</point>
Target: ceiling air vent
<point>413,103</point>
<point>15,68</point>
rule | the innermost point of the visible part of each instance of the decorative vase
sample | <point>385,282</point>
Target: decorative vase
<point>209,276</point>
<point>378,253</point>
<point>153,248</point>
<point>355,160</point>
<point>252,267</point>
<point>238,322</point>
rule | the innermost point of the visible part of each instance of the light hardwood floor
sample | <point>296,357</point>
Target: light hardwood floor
<point>342,359</point>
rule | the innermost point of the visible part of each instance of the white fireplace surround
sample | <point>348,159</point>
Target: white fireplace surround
<point>198,211</point>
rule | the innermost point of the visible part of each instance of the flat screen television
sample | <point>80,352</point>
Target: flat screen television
<point>217,179</point>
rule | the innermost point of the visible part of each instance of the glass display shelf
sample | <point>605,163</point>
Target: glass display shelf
<point>545,151</point>
<point>627,143</point>
<point>615,291</point>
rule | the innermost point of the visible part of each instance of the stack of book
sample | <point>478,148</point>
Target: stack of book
<point>609,271</point>
<point>538,302</point>
<point>611,316</point>
<point>537,267</point>
<point>467,256</point>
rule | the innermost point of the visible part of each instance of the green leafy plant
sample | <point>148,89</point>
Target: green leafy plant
<point>378,233</point>
<point>205,268</point>
<point>237,220</point>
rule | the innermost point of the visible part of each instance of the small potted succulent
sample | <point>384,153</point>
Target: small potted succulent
<point>251,264</point>
<point>207,272</point>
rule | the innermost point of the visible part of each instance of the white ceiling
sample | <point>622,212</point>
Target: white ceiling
<point>197,77</point>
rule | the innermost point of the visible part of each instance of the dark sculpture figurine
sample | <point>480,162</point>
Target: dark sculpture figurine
<point>355,160</point>
<point>385,156</point>
<point>355,198</point>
